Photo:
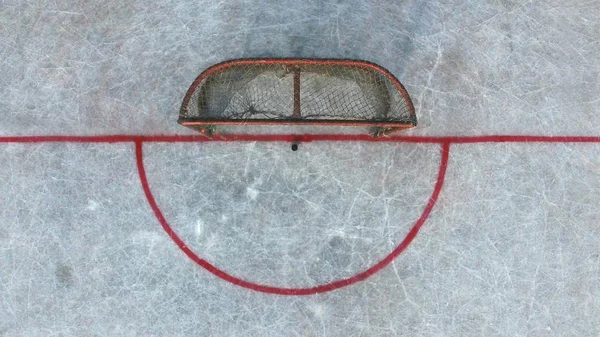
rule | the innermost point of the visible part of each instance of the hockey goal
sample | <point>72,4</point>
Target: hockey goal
<point>297,92</point>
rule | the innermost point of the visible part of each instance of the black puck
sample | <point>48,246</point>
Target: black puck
<point>294,147</point>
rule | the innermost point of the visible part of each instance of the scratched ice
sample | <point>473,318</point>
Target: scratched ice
<point>510,248</point>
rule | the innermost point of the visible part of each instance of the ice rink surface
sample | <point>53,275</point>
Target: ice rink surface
<point>135,234</point>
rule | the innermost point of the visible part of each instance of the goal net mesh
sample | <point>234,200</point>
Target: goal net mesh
<point>292,91</point>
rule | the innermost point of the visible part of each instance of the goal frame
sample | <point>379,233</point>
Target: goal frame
<point>206,125</point>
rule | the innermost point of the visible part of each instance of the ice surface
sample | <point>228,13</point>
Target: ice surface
<point>510,247</point>
<point>471,68</point>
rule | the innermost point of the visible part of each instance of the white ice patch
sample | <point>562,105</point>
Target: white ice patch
<point>199,227</point>
<point>252,193</point>
<point>147,237</point>
<point>318,310</point>
<point>92,205</point>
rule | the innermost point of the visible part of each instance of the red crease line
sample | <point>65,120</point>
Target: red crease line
<point>293,291</point>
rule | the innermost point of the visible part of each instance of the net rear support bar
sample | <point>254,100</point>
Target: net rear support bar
<point>314,92</point>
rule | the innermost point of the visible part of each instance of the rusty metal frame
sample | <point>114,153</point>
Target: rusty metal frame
<point>201,124</point>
